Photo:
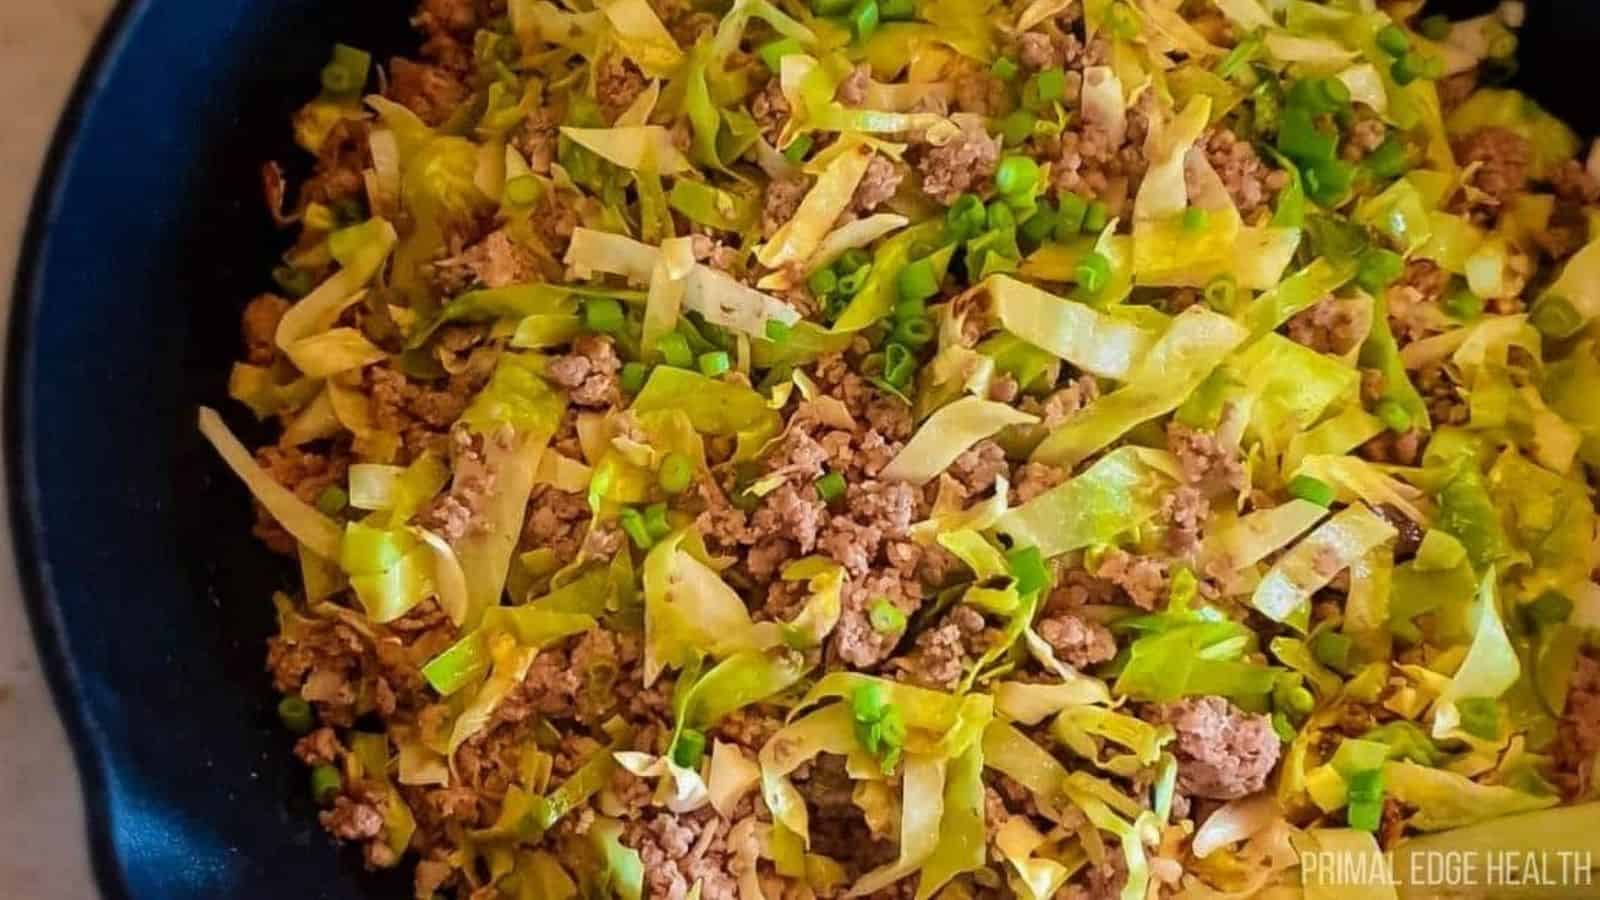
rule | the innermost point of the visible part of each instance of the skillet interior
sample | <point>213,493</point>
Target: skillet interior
<point>148,596</point>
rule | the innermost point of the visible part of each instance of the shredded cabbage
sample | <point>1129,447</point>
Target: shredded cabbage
<point>948,434</point>
<point>1284,594</point>
<point>1112,497</point>
<point>1173,368</point>
<point>1089,339</point>
<point>315,531</point>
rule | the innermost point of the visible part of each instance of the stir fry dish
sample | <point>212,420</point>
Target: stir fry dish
<point>930,448</point>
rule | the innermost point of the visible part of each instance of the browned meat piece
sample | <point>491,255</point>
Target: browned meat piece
<point>589,372</point>
<point>1578,733</point>
<point>781,201</point>
<point>1078,642</point>
<point>770,110</point>
<point>1505,157</point>
<point>877,185</point>
<point>617,83</point>
<point>1223,753</point>
<point>259,325</point>
<point>1326,327</point>
<point>1250,182</point>
<point>431,92</point>
<point>943,653</point>
<point>965,163</point>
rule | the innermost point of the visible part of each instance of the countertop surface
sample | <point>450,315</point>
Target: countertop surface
<point>42,844</point>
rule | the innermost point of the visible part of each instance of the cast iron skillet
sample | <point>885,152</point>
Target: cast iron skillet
<point>149,599</point>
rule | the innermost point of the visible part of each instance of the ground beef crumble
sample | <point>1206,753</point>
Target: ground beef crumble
<point>1223,754</point>
<point>965,163</point>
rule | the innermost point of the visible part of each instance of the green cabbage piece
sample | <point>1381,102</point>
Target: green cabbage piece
<point>949,433</point>
<point>1092,340</point>
<point>714,406</point>
<point>689,611</point>
<point>1284,594</point>
<point>1490,668</point>
<point>1549,517</point>
<point>1186,656</point>
<point>1174,367</point>
<point>1445,800</point>
<point>313,530</point>
<point>516,414</point>
<point>533,626</point>
<point>1114,496</point>
<point>746,677</point>
<point>1286,388</point>
<point>962,844</point>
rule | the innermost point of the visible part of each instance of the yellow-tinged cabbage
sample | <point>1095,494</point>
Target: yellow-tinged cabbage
<point>1034,878</point>
<point>1284,594</point>
<point>594,251</point>
<point>634,147</point>
<point>1579,285</point>
<point>1031,703</point>
<point>713,406</point>
<point>1249,539</point>
<point>921,809</point>
<point>1195,344</point>
<point>1366,86</point>
<point>1445,800</point>
<point>1334,436</point>
<point>677,282</point>
<point>369,760</point>
<point>949,433</point>
<point>1316,52</point>
<point>948,515</point>
<point>1490,667</point>
<point>851,235</point>
<point>1117,494</point>
<point>1092,340</point>
<point>962,842</point>
<point>643,38</point>
<point>1357,478</point>
<point>723,300</point>
<point>689,610</point>
<point>827,730</point>
<point>800,237</point>
<point>516,413</point>
<point>731,776</point>
<point>1247,14</point>
<point>1082,729</point>
<point>509,662</point>
<point>333,351</point>
<point>810,85</point>
<point>313,530</point>
<point>562,613</point>
<point>1167,31</point>
<point>365,249</point>
<point>1010,751</point>
<point>1287,386</point>
<point>449,579</point>
<point>1164,192</point>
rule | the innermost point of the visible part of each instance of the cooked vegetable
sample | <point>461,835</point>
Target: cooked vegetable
<point>952,449</point>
